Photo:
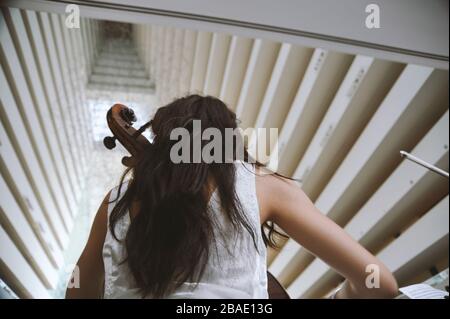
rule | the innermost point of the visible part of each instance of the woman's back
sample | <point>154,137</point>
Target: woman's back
<point>234,269</point>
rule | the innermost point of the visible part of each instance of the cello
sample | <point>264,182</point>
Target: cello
<point>120,119</point>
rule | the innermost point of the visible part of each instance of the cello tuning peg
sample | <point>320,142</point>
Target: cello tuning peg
<point>109,142</point>
<point>128,115</point>
<point>128,161</point>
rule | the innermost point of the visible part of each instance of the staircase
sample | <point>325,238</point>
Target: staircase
<point>118,68</point>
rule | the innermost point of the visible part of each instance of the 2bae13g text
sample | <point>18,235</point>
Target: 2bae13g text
<point>225,308</point>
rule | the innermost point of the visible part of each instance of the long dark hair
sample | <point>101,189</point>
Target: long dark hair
<point>168,241</point>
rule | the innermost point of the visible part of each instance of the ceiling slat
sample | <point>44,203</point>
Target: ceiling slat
<point>187,61</point>
<point>257,76</point>
<point>202,49</point>
<point>216,63</point>
<point>237,60</point>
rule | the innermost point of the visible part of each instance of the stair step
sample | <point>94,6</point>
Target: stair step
<point>117,71</point>
<point>136,65</point>
<point>119,47</point>
<point>120,56</point>
<point>120,80</point>
<point>117,43</point>
<point>121,89</point>
<point>118,68</point>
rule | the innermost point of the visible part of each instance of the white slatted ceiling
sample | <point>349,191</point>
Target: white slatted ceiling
<point>50,113</point>
<point>26,240</point>
<point>342,120</point>
<point>25,152</point>
<point>45,139</point>
<point>25,196</point>
<point>24,135</point>
<point>22,278</point>
<point>73,76</point>
<point>37,94</point>
<point>67,94</point>
<point>430,237</point>
<point>42,104</point>
<point>63,117</point>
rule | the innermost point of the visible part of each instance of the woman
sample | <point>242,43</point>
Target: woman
<point>199,229</point>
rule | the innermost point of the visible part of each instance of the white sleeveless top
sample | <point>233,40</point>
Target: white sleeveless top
<point>240,275</point>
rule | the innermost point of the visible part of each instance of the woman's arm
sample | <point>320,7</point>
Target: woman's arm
<point>289,207</point>
<point>90,265</point>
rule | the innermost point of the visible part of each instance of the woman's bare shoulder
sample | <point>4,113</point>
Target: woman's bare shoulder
<point>270,181</point>
<point>270,189</point>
